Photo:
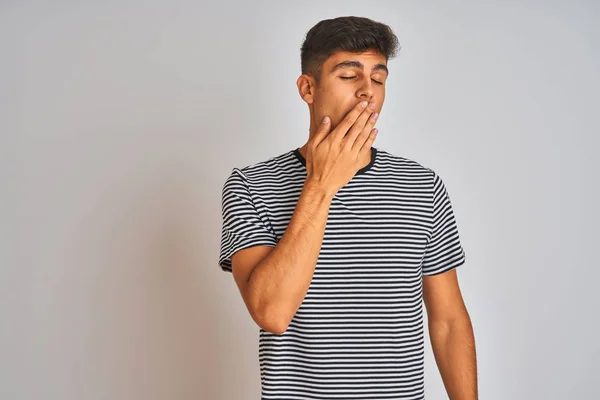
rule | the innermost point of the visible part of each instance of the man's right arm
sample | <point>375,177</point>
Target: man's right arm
<point>273,281</point>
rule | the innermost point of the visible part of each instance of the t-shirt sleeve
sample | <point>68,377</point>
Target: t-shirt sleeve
<point>444,251</point>
<point>242,225</point>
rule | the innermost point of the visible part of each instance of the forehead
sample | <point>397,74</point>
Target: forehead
<point>367,58</point>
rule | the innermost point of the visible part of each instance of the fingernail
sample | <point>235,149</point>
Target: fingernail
<point>372,106</point>
<point>375,115</point>
<point>326,120</point>
<point>363,104</point>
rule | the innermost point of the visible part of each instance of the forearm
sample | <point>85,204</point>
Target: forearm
<point>280,282</point>
<point>454,350</point>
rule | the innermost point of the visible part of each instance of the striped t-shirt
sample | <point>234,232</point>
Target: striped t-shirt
<point>359,331</point>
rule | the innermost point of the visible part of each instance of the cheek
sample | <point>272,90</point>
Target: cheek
<point>334,103</point>
<point>381,97</point>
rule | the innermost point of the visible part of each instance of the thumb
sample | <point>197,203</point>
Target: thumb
<point>322,131</point>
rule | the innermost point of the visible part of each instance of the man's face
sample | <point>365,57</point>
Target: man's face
<point>346,79</point>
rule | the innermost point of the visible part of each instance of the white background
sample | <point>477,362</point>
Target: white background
<point>120,121</point>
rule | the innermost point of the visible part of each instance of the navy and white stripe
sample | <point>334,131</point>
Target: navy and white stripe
<point>359,331</point>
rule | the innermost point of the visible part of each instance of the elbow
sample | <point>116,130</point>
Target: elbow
<point>271,321</point>
<point>275,329</point>
<point>268,314</point>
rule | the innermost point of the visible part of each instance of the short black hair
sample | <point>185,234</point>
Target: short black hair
<point>353,34</point>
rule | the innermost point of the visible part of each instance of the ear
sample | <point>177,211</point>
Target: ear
<point>306,88</point>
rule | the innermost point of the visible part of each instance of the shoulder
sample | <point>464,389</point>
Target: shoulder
<point>391,162</point>
<point>265,169</point>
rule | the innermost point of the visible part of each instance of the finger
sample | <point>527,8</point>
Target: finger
<point>358,139</point>
<point>366,147</point>
<point>322,131</point>
<point>340,131</point>
<point>364,124</point>
<point>367,133</point>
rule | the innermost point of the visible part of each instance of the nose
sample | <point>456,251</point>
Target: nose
<point>366,91</point>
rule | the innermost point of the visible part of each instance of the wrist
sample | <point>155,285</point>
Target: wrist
<point>318,191</point>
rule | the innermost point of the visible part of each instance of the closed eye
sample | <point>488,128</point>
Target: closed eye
<point>352,77</point>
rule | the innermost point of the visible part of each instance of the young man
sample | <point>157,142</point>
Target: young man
<point>335,245</point>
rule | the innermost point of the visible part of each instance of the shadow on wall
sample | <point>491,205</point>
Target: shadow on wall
<point>154,323</point>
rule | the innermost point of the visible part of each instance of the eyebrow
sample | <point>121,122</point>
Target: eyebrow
<point>358,64</point>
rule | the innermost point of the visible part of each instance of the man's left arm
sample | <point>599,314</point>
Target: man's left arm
<point>451,335</point>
